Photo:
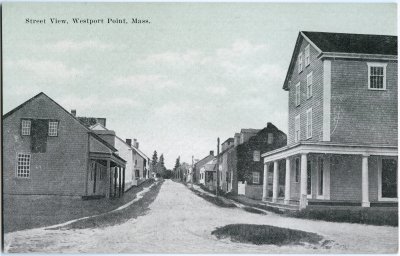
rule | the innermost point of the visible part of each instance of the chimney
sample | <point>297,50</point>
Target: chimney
<point>129,142</point>
<point>135,143</point>
<point>73,112</point>
<point>212,152</point>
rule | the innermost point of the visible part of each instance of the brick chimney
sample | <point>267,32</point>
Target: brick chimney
<point>211,152</point>
<point>135,144</point>
<point>73,112</point>
<point>129,142</point>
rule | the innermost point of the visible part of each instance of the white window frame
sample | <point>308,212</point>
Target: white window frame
<point>309,85</point>
<point>309,123</point>
<point>297,94</point>
<point>27,173</point>
<point>256,178</point>
<point>297,128</point>
<point>380,198</point>
<point>26,127</point>
<point>256,156</point>
<point>53,128</point>
<point>377,64</point>
<point>300,62</point>
<point>307,57</point>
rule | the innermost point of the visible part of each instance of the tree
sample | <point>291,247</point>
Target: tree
<point>177,165</point>
<point>154,162</point>
<point>160,165</point>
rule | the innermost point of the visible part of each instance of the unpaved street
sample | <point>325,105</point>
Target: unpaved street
<point>181,222</point>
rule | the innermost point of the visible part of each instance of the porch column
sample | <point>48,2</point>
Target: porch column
<point>303,181</point>
<point>265,183</point>
<point>364,178</point>
<point>275,183</point>
<point>287,181</point>
<point>123,180</point>
<point>115,181</point>
<point>119,183</point>
<point>108,179</point>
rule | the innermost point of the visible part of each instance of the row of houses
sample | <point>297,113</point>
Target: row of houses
<point>50,151</point>
<point>342,144</point>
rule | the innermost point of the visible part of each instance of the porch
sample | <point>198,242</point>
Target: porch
<point>327,174</point>
<point>106,175</point>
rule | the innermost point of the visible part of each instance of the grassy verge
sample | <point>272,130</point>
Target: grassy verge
<point>253,210</point>
<point>371,216</point>
<point>265,234</point>
<point>33,211</point>
<point>219,201</point>
<point>135,210</point>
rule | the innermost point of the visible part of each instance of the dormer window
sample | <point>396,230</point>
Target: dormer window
<point>377,76</point>
<point>307,55</point>
<point>26,127</point>
<point>300,62</point>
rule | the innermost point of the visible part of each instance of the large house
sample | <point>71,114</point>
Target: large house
<point>225,179</point>
<point>199,164</point>
<point>48,151</point>
<point>342,127</point>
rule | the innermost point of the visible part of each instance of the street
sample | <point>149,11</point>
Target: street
<point>181,222</point>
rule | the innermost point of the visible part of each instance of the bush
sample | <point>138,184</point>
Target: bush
<point>265,234</point>
<point>372,216</point>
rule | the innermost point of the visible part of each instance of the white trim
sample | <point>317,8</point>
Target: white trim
<point>311,42</point>
<point>328,148</point>
<point>297,94</point>
<point>307,54</point>
<point>309,85</point>
<point>309,118</point>
<point>380,198</point>
<point>16,166</point>
<point>300,62</point>
<point>357,56</point>
<point>326,102</point>
<point>377,64</point>
<point>297,128</point>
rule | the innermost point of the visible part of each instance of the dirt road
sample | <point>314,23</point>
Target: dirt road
<point>181,222</point>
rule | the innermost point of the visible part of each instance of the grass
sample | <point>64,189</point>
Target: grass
<point>219,201</point>
<point>253,210</point>
<point>372,216</point>
<point>33,211</point>
<point>135,210</point>
<point>265,234</point>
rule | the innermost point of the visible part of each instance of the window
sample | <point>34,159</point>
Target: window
<point>270,138</point>
<point>297,128</point>
<point>377,76</point>
<point>53,128</point>
<point>135,162</point>
<point>26,127</point>
<point>297,94</point>
<point>309,123</point>
<point>307,55</point>
<point>300,62</point>
<point>256,156</point>
<point>297,170</point>
<point>309,85</point>
<point>23,165</point>
<point>256,177</point>
<point>137,174</point>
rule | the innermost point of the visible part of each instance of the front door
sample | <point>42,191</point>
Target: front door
<point>389,179</point>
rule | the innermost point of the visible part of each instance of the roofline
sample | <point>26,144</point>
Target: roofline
<point>102,141</point>
<point>91,127</point>
<point>348,55</point>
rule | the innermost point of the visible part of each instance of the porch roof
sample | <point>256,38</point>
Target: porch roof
<point>305,147</point>
<point>108,156</point>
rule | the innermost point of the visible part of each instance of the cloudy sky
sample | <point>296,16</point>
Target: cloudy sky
<point>194,73</point>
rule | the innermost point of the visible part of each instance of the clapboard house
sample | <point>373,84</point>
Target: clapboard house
<point>48,151</point>
<point>342,122</point>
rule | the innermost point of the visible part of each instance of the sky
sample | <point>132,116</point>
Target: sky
<point>195,72</point>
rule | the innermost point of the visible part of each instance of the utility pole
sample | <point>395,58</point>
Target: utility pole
<point>216,191</point>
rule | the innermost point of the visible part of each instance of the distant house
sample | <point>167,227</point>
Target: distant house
<point>137,169</point>
<point>249,162</point>
<point>48,151</point>
<point>343,122</point>
<point>208,174</point>
<point>199,164</point>
<point>224,174</point>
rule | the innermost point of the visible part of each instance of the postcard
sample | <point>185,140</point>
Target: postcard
<point>199,127</point>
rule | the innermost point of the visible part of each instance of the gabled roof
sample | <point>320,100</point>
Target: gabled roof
<point>249,130</point>
<point>67,112</point>
<point>343,43</point>
<point>354,43</point>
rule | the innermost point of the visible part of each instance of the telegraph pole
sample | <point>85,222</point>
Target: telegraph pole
<point>216,191</point>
